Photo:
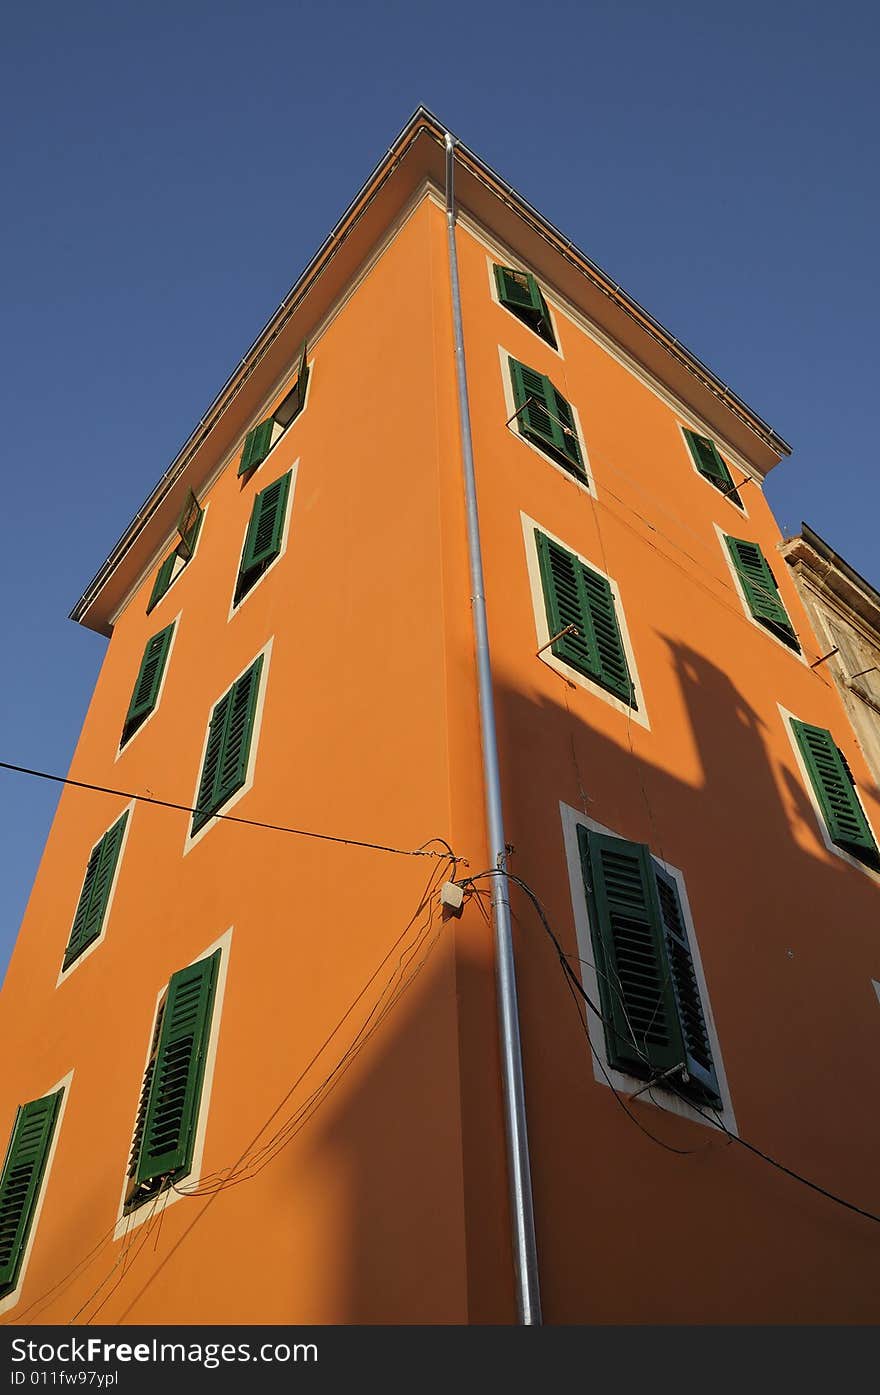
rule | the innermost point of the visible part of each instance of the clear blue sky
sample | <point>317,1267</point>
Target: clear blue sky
<point>168,170</point>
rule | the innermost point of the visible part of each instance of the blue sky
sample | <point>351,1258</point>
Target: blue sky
<point>169,169</point>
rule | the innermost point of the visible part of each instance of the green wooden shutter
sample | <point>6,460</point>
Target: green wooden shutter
<point>20,1182</point>
<point>146,689</point>
<point>263,540</point>
<point>92,905</point>
<point>188,525</point>
<point>167,1123</point>
<point>702,1080</point>
<point>547,420</point>
<point>642,1030</point>
<point>835,790</point>
<point>576,595</point>
<point>162,582</point>
<point>257,444</point>
<point>710,464</point>
<point>761,591</point>
<point>228,748</point>
<point>520,293</point>
<point>288,410</point>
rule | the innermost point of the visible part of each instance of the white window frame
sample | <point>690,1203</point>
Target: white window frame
<point>193,839</point>
<point>126,745</point>
<point>588,485</point>
<point>235,606</point>
<point>279,431</point>
<point>728,499</point>
<point>64,974</point>
<point>659,1095</point>
<point>491,263</point>
<point>722,534</point>
<point>167,1196</point>
<point>787,719</point>
<point>637,714</point>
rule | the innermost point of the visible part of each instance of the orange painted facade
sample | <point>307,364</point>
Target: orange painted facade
<point>383,1196</point>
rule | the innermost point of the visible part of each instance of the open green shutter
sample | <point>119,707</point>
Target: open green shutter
<point>146,689</point>
<point>163,581</point>
<point>834,788</point>
<point>642,1030</point>
<point>20,1182</point>
<point>263,541</point>
<point>710,464</point>
<point>175,1085</point>
<point>520,293</point>
<point>289,409</point>
<point>761,591</point>
<point>92,906</point>
<point>257,444</point>
<point>701,1080</point>
<point>576,595</point>
<point>229,742</point>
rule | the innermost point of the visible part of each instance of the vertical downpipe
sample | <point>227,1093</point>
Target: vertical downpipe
<point>519,1172</point>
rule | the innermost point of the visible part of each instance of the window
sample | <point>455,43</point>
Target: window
<point>576,595</point>
<point>760,589</point>
<point>21,1181</point>
<point>262,542</point>
<point>711,466</point>
<point>168,1109</point>
<point>224,769</point>
<point>261,438</point>
<point>145,694</point>
<point>520,293</point>
<point>545,418</point>
<point>91,910</point>
<point>654,1019</point>
<point>189,525</point>
<point>835,792</point>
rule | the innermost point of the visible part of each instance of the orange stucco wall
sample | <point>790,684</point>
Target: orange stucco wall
<point>388,1202</point>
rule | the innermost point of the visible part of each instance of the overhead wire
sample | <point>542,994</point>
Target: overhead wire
<point>233,818</point>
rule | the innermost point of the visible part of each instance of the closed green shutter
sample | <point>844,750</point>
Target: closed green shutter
<point>228,747</point>
<point>520,293</point>
<point>171,1093</point>
<point>576,595</point>
<point>263,539</point>
<point>92,906</point>
<point>146,689</point>
<point>650,998</point>
<point>761,591</point>
<point>20,1182</point>
<point>710,464</point>
<point>163,581</point>
<point>544,416</point>
<point>257,444</point>
<point>835,790</point>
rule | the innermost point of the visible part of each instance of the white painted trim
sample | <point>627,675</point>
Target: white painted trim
<point>159,557</point>
<point>787,719</point>
<point>515,265</point>
<point>542,629</point>
<point>64,974</point>
<point>588,486</point>
<point>233,607</point>
<point>740,513</point>
<point>721,534</point>
<point>191,841</point>
<point>125,1223</point>
<point>121,749</point>
<point>64,1084</point>
<point>627,1084</point>
<point>568,311</point>
<point>282,430</point>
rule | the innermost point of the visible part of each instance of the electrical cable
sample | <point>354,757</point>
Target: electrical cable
<point>716,1122</point>
<point>231,818</point>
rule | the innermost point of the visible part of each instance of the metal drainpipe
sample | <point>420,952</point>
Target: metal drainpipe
<point>519,1172</point>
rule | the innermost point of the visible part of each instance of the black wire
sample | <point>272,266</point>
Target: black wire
<point>232,818</point>
<point>717,1122</point>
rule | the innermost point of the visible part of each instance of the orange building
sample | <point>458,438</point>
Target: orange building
<point>253,1074</point>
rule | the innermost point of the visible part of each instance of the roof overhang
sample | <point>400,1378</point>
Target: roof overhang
<point>417,155</point>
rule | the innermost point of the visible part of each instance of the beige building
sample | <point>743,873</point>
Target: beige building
<point>845,610</point>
